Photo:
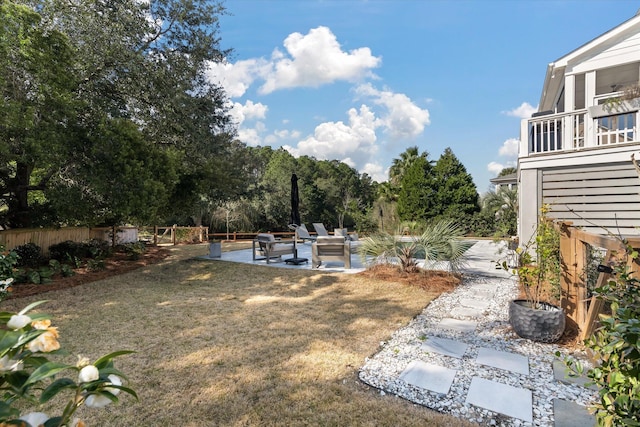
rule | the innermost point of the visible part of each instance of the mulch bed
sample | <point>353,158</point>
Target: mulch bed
<point>429,280</point>
<point>118,263</point>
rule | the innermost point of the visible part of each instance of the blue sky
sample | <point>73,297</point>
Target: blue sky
<point>362,80</point>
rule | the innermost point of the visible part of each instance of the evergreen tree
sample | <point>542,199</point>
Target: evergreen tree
<point>456,194</point>
<point>416,200</point>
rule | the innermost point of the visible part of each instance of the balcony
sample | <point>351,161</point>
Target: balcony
<point>595,127</point>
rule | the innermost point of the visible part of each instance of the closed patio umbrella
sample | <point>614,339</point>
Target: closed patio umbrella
<point>295,201</point>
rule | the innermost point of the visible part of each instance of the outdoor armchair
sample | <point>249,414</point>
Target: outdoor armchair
<point>302,233</point>
<point>265,246</point>
<point>331,248</point>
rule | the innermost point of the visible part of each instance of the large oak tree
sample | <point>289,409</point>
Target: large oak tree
<point>106,106</point>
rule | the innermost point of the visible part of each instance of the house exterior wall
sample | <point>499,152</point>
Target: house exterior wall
<point>576,154</point>
<point>597,189</point>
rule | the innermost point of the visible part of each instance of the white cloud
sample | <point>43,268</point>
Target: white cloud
<point>252,136</point>
<point>524,111</point>
<point>355,141</point>
<point>404,119</point>
<point>495,168</point>
<point>510,148</point>
<point>248,111</point>
<point>376,171</point>
<point>316,59</point>
<point>238,77</point>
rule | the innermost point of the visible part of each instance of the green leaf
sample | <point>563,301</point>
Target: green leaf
<point>47,370</point>
<point>105,360</point>
<point>32,305</point>
<point>56,387</point>
<point>7,412</point>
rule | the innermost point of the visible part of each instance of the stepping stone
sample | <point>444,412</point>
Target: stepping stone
<point>479,304</point>
<point>458,325</point>
<point>444,346</point>
<point>503,360</point>
<point>429,377</point>
<point>466,312</point>
<point>570,414</point>
<point>560,373</point>
<point>512,401</point>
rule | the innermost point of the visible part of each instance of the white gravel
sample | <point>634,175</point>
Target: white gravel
<point>384,368</point>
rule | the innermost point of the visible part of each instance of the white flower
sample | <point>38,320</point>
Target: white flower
<point>6,282</point>
<point>18,321</point>
<point>114,380</point>
<point>35,419</point>
<point>97,401</point>
<point>88,373</point>
<point>7,364</point>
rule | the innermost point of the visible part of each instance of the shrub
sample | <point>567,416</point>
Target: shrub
<point>26,373</point>
<point>7,273</point>
<point>66,251</point>
<point>439,241</point>
<point>29,255</point>
<point>133,249</point>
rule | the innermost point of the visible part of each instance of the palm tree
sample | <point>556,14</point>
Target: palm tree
<point>400,166</point>
<point>503,204</point>
<point>440,241</point>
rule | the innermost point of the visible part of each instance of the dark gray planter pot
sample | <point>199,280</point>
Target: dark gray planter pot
<point>544,324</point>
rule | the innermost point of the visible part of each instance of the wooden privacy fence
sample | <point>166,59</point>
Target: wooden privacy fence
<point>574,247</point>
<point>45,237</point>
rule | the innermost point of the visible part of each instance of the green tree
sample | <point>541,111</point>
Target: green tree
<point>37,110</point>
<point>502,206</point>
<point>507,171</point>
<point>89,63</point>
<point>416,201</point>
<point>456,194</point>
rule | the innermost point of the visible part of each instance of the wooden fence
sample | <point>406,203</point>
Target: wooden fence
<point>45,237</point>
<point>574,247</point>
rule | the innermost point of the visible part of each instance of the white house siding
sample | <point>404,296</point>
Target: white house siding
<point>599,199</point>
<point>598,190</point>
<point>619,52</point>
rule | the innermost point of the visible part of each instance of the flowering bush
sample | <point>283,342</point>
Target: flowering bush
<point>25,372</point>
<point>7,260</point>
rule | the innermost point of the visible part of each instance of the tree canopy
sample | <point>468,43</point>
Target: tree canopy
<point>85,84</point>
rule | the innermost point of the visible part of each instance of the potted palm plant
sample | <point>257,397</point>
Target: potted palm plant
<point>537,315</point>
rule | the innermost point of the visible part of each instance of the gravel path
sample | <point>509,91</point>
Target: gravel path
<point>383,370</point>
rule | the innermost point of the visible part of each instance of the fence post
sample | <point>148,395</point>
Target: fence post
<point>569,273</point>
<point>173,234</point>
<point>155,235</point>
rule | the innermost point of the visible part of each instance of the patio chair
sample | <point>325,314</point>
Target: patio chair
<point>353,238</point>
<point>268,247</point>
<point>302,233</point>
<point>331,248</point>
<point>319,227</point>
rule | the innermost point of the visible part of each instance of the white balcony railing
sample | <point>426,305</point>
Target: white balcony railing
<point>576,130</point>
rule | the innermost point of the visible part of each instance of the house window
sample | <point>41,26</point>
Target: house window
<point>616,129</point>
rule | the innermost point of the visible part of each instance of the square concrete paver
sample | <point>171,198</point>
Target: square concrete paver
<point>570,414</point>
<point>478,304</point>
<point>560,373</point>
<point>502,398</point>
<point>503,360</point>
<point>429,377</point>
<point>458,325</point>
<point>444,346</point>
<point>466,312</point>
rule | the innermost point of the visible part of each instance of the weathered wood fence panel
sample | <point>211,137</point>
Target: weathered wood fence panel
<point>574,247</point>
<point>44,237</point>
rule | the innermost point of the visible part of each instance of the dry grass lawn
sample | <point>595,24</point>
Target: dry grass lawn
<point>226,344</point>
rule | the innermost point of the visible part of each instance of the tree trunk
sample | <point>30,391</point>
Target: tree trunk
<point>19,215</point>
